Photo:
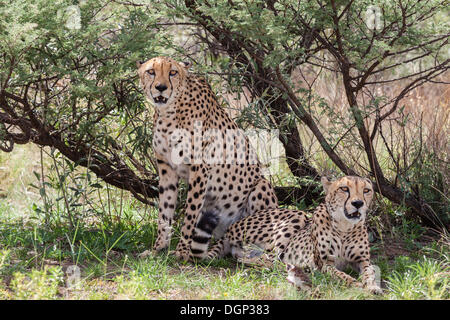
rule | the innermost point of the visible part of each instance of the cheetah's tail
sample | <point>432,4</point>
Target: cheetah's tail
<point>203,233</point>
<point>219,249</point>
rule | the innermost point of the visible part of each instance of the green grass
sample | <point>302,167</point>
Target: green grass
<point>426,279</point>
<point>33,261</point>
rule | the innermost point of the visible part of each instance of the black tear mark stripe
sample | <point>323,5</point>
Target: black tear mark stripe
<point>345,203</point>
<point>171,86</point>
<point>151,85</point>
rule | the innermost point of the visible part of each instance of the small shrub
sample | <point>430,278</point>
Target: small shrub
<point>423,279</point>
<point>37,285</point>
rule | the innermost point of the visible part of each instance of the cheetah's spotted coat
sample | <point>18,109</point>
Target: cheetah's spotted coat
<point>334,236</point>
<point>186,106</point>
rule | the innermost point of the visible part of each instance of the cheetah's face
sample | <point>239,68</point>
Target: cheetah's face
<point>162,79</point>
<point>348,198</point>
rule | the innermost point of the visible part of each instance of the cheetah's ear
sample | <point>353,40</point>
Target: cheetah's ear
<point>186,64</point>
<point>326,183</point>
<point>369,181</point>
<point>139,64</point>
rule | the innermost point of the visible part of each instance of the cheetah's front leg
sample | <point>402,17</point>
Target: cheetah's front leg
<point>361,258</point>
<point>198,179</point>
<point>327,264</point>
<point>349,280</point>
<point>168,190</point>
<point>368,277</point>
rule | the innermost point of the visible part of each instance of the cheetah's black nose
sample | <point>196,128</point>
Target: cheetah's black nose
<point>357,204</point>
<point>161,87</point>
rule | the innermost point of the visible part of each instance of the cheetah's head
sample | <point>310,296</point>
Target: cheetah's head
<point>162,79</point>
<point>348,198</point>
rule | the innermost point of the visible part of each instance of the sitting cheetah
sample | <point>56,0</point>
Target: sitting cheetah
<point>333,237</point>
<point>194,139</point>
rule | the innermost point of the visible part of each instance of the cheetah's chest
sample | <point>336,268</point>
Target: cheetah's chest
<point>168,145</point>
<point>335,249</point>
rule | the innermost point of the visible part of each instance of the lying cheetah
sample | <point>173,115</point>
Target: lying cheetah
<point>333,237</point>
<point>194,139</point>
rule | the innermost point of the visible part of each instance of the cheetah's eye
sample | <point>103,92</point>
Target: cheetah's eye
<point>366,190</point>
<point>173,72</point>
<point>151,72</point>
<point>345,189</point>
